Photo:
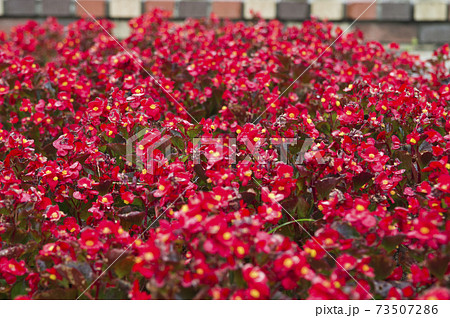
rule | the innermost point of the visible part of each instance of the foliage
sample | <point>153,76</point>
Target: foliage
<point>71,206</point>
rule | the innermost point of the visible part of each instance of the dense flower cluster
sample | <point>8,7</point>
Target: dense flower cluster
<point>371,193</point>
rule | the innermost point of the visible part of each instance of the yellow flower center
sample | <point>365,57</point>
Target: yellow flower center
<point>149,256</point>
<point>253,274</point>
<point>240,250</point>
<point>226,236</point>
<point>329,241</point>
<point>424,230</point>
<point>288,262</point>
<point>255,293</point>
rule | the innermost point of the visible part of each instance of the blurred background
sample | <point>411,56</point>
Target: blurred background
<point>418,25</point>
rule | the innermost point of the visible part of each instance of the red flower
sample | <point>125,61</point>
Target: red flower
<point>347,261</point>
<point>53,213</point>
<point>371,154</point>
<point>137,294</point>
<point>253,275</point>
<point>395,142</point>
<point>374,181</point>
<point>163,188</point>
<point>127,197</point>
<point>106,200</point>
<point>71,226</point>
<point>365,268</point>
<point>394,293</point>
<point>85,183</point>
<point>420,276</point>
<point>436,294</point>
<point>444,183</point>
<point>90,241</point>
<point>425,229</point>
<point>292,113</point>
<point>96,107</point>
<point>10,269</point>
<point>63,144</point>
<point>53,274</point>
<point>413,139</point>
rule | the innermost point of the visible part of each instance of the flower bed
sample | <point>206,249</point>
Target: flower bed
<point>357,207</point>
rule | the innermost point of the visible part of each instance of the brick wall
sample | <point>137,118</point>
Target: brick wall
<point>403,21</point>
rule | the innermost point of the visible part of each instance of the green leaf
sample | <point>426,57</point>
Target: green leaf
<point>129,219</point>
<point>248,196</point>
<point>361,179</point>
<point>392,241</point>
<point>73,275</point>
<point>181,128</point>
<point>200,172</point>
<point>438,265</point>
<point>194,131</point>
<point>82,158</point>
<point>425,158</point>
<point>284,60</point>
<point>89,171</point>
<point>184,158</point>
<point>334,117</point>
<point>405,158</point>
<point>19,288</point>
<point>325,186</point>
<point>123,266</point>
<point>324,127</point>
<point>347,231</point>
<point>237,279</point>
<point>13,251</point>
<point>303,207</point>
<point>178,142</point>
<point>118,149</point>
<point>382,265</point>
<point>116,293</point>
<point>290,222</point>
<point>58,294</point>
<point>104,187</point>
